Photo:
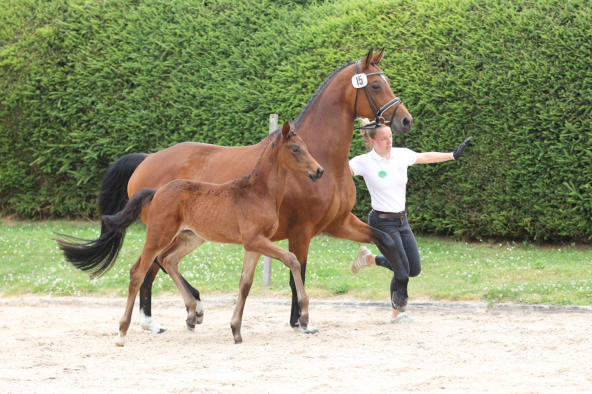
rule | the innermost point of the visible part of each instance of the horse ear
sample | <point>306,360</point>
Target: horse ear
<point>286,129</point>
<point>378,57</point>
<point>368,58</point>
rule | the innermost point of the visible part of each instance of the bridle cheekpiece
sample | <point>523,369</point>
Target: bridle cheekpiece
<point>360,80</point>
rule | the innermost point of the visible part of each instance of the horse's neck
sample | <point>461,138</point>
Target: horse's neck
<point>327,129</point>
<point>326,125</point>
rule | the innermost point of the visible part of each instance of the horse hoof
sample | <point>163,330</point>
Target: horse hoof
<point>309,330</point>
<point>238,340</point>
<point>150,325</point>
<point>190,326</point>
<point>199,316</point>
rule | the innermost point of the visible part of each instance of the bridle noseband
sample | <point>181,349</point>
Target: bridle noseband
<point>376,110</point>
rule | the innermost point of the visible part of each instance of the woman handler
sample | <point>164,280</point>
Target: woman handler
<point>384,169</point>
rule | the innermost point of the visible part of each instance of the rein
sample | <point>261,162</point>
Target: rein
<point>376,110</point>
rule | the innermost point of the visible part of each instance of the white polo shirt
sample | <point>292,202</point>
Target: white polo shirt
<point>386,179</point>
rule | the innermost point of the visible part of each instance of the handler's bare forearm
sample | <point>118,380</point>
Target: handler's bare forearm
<point>433,157</point>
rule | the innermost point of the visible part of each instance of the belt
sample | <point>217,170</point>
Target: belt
<point>390,215</point>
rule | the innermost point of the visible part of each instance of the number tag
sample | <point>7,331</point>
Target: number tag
<point>359,80</point>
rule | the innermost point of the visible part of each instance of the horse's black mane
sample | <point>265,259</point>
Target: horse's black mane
<point>316,94</point>
<point>312,99</point>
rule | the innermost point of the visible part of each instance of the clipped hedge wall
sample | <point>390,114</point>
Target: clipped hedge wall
<point>84,82</point>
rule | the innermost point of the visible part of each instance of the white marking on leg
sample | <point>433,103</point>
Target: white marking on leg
<point>120,341</point>
<point>199,312</point>
<point>148,324</point>
<point>308,330</point>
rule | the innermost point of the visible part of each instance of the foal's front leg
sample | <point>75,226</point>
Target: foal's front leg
<point>268,248</point>
<point>246,280</point>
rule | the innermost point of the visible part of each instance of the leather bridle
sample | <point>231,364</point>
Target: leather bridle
<point>376,110</point>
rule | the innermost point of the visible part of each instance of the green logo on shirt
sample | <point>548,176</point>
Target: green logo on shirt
<point>382,173</point>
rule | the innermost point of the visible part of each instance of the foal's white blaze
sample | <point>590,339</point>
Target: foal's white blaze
<point>150,325</point>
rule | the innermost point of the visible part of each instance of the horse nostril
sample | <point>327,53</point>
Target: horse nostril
<point>407,122</point>
<point>320,172</point>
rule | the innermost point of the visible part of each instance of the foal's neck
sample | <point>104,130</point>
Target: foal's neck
<point>268,177</point>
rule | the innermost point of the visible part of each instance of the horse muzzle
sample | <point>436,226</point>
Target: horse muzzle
<point>315,175</point>
<point>401,126</point>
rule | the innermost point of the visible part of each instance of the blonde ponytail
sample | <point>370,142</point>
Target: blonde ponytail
<point>367,132</point>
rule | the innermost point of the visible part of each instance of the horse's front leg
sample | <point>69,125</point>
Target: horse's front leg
<point>246,280</point>
<point>299,246</point>
<point>352,228</point>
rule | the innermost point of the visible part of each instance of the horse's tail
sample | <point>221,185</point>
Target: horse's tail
<point>97,256</point>
<point>118,222</point>
<point>113,193</point>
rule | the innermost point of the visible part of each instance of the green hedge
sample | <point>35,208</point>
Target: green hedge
<point>84,82</point>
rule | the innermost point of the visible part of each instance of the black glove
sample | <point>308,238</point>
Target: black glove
<point>461,148</point>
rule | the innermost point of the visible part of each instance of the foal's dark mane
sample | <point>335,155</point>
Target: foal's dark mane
<point>272,139</point>
<point>319,90</point>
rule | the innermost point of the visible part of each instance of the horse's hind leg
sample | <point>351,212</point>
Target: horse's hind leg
<point>246,280</point>
<point>147,323</point>
<point>183,244</point>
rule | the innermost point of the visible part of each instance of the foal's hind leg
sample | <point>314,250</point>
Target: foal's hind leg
<point>246,280</point>
<point>183,244</point>
<point>137,274</point>
<point>148,323</point>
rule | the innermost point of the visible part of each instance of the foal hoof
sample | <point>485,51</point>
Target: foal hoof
<point>199,317</point>
<point>238,340</point>
<point>190,326</point>
<point>120,341</point>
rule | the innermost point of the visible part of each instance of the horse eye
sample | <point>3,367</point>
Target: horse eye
<point>294,148</point>
<point>376,86</point>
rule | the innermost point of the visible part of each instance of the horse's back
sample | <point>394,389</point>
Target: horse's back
<point>194,161</point>
<point>308,204</point>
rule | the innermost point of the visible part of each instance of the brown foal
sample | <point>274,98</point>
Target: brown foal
<point>242,211</point>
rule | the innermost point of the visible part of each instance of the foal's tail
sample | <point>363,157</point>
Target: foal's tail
<point>98,255</point>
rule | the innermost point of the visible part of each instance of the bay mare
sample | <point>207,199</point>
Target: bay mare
<point>242,211</point>
<point>325,124</point>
